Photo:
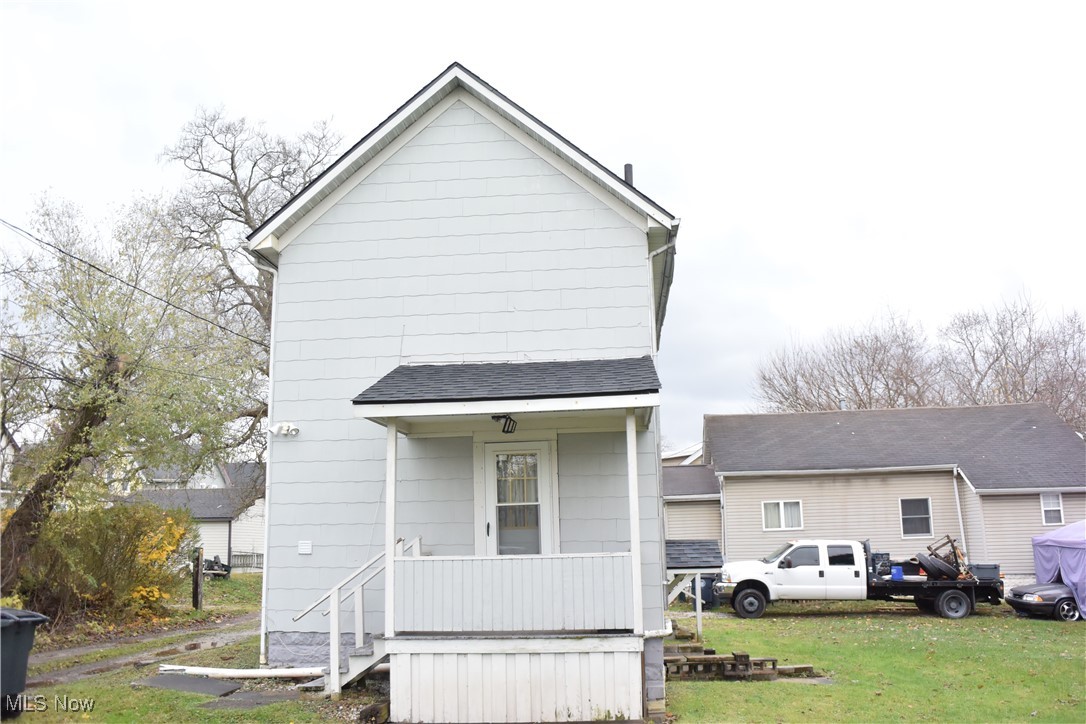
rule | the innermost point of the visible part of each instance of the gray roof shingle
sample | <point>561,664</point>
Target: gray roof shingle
<point>997,447</point>
<point>689,480</point>
<point>512,381</point>
<point>203,503</point>
<point>693,555</point>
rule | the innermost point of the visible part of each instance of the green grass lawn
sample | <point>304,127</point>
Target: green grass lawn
<point>889,663</point>
<point>223,600</point>
<point>116,700</point>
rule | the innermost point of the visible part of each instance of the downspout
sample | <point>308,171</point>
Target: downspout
<point>229,541</point>
<point>264,265</point>
<point>958,505</point>
<point>723,523</point>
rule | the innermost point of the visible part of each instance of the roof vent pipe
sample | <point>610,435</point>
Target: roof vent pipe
<point>627,172</point>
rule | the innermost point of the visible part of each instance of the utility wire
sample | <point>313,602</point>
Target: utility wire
<point>57,249</point>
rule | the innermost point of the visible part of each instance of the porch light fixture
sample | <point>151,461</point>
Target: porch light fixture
<point>509,425</point>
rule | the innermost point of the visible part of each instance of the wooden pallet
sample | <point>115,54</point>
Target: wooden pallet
<point>739,665</point>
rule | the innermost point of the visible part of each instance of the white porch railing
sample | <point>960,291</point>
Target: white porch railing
<point>545,593</point>
<point>336,599</point>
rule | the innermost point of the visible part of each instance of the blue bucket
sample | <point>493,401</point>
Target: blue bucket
<point>896,573</point>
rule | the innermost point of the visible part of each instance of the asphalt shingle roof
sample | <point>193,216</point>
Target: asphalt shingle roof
<point>693,554</point>
<point>997,447</point>
<point>689,480</point>
<point>512,381</point>
<point>203,503</point>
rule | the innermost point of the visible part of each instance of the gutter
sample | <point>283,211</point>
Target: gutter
<point>838,471</point>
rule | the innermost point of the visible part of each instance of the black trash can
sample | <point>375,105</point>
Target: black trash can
<point>16,638</point>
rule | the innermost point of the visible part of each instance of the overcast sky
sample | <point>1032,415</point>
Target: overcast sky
<point>830,161</point>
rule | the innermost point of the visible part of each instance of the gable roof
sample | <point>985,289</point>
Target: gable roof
<point>203,503</point>
<point>679,480</point>
<point>512,381</point>
<point>265,242</point>
<point>998,447</point>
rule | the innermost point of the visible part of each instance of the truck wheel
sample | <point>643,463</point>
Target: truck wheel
<point>1066,610</point>
<point>953,604</point>
<point>750,603</point>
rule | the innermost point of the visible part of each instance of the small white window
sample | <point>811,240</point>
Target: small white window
<point>782,515</point>
<point>1052,508</point>
<point>915,517</point>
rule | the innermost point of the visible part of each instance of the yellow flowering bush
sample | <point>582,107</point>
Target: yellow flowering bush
<point>112,561</point>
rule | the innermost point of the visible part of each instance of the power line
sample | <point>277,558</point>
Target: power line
<point>100,270</point>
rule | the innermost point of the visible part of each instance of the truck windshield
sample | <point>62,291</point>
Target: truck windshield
<point>777,553</point>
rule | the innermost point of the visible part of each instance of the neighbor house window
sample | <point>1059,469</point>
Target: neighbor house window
<point>782,515</point>
<point>1052,508</point>
<point>916,517</point>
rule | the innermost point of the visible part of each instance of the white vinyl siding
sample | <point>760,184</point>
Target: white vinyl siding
<point>464,246</point>
<point>698,520</point>
<point>247,535</point>
<point>916,518</point>
<point>1011,521</point>
<point>1051,508</point>
<point>782,515</point>
<point>214,537</point>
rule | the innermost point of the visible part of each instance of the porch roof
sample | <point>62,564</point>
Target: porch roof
<point>693,556</point>
<point>512,381</point>
<point>429,392</point>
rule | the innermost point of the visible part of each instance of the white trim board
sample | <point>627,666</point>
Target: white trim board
<point>513,645</point>
<point>380,413</point>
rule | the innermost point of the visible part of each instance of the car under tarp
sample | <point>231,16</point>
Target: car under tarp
<point>1061,555</point>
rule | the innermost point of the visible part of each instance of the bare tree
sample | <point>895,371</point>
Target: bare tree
<point>1014,354</point>
<point>239,175</point>
<point>881,365</point>
<point>1008,355</point>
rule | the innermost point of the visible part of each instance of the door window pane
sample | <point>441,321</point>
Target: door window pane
<point>841,556</point>
<point>518,504</point>
<point>518,530</point>
<point>804,556</point>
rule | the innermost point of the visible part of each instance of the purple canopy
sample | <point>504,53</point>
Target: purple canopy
<point>1062,553</point>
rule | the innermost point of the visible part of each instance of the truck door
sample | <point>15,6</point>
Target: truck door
<point>800,574</point>
<point>845,573</point>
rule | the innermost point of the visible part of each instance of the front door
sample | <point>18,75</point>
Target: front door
<point>519,487</point>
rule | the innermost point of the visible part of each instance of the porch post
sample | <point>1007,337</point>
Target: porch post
<point>390,530</point>
<point>635,522</point>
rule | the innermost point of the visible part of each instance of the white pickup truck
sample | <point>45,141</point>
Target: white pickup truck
<point>847,570</point>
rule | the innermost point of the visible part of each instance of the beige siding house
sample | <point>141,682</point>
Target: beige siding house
<point>991,477</point>
<point>691,503</point>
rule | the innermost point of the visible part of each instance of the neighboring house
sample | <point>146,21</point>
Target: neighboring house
<point>992,477</point>
<point>692,503</point>
<point>489,298</point>
<point>230,516</point>
<point>690,455</point>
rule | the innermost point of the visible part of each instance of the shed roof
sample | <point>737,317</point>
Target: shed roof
<point>693,555</point>
<point>512,381</point>
<point>998,447</point>
<point>679,480</point>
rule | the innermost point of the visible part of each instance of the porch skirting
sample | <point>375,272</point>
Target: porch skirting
<point>515,679</point>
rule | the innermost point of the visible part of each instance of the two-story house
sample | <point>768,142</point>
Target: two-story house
<point>465,470</point>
